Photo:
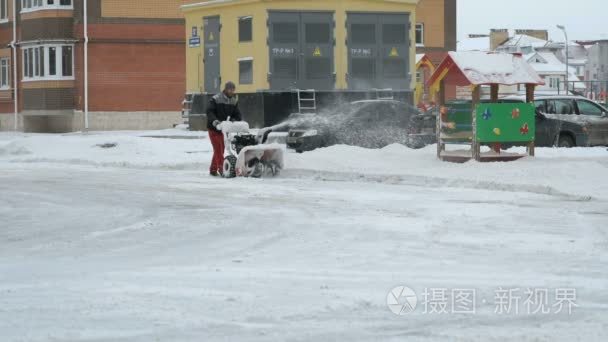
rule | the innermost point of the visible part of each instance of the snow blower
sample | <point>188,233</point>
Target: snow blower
<point>247,154</point>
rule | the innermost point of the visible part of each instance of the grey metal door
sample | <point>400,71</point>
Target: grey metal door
<point>394,51</point>
<point>301,48</point>
<point>211,59</point>
<point>317,60</point>
<point>284,45</point>
<point>378,51</point>
<point>362,50</point>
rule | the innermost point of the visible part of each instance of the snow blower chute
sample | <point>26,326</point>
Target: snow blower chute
<point>247,154</point>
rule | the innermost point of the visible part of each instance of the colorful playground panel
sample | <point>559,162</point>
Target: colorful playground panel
<point>505,122</point>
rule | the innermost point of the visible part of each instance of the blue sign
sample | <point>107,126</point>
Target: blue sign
<point>194,42</point>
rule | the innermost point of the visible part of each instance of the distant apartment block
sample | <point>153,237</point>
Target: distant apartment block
<point>136,72</point>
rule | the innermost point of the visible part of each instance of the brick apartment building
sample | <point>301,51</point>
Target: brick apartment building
<point>436,28</point>
<point>136,67</point>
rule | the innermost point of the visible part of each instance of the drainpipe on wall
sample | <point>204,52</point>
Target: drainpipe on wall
<point>86,66</point>
<point>13,45</point>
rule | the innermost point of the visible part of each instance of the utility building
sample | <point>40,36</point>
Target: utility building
<point>274,50</point>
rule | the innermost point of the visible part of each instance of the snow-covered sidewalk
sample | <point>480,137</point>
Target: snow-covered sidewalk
<point>136,242</point>
<point>577,172</point>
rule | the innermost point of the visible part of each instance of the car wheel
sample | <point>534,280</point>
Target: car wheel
<point>565,142</point>
<point>299,151</point>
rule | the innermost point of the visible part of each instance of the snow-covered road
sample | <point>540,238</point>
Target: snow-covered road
<point>137,243</point>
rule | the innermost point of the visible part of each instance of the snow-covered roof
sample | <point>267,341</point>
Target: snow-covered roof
<point>546,63</point>
<point>523,40</point>
<point>474,44</point>
<point>574,61</point>
<point>490,68</point>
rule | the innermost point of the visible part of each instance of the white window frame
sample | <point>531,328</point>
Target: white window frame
<point>555,82</point>
<point>46,63</point>
<point>421,25</point>
<point>4,7</point>
<point>5,62</point>
<point>40,5</point>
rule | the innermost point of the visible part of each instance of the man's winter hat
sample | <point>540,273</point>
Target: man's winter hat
<point>230,85</point>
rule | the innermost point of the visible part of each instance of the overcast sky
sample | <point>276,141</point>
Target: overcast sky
<point>584,19</point>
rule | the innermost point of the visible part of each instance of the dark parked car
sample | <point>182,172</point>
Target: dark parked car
<point>369,124</point>
<point>568,121</point>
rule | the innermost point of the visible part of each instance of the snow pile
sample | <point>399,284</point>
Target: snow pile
<point>13,148</point>
<point>578,171</point>
<point>172,149</point>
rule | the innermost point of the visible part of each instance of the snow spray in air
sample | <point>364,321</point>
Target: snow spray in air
<point>369,124</point>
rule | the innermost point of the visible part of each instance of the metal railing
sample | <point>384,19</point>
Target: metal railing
<point>593,90</point>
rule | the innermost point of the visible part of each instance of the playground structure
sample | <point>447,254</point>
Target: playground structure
<point>424,68</point>
<point>477,124</point>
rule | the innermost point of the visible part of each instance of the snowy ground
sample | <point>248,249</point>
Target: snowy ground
<point>138,243</point>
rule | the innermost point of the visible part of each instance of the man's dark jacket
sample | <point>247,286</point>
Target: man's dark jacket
<point>222,107</point>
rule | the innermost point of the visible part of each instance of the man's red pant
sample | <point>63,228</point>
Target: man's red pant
<point>217,141</point>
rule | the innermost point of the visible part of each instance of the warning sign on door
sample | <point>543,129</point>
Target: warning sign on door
<point>394,52</point>
<point>317,52</point>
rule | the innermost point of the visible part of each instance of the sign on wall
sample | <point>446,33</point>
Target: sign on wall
<point>194,40</point>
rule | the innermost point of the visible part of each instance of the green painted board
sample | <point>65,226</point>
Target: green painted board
<point>505,122</point>
<point>460,115</point>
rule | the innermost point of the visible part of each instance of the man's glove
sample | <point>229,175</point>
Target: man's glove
<point>217,124</point>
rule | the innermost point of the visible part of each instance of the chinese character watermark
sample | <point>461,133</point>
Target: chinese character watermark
<point>507,301</point>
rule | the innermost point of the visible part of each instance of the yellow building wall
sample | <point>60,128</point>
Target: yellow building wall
<point>231,50</point>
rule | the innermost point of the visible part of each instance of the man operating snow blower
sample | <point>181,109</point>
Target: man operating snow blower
<point>222,107</point>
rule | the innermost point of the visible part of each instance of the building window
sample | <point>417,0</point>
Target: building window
<point>5,73</point>
<point>52,61</point>
<point>67,57</point>
<point>4,10</point>
<point>245,29</point>
<point>420,34</point>
<point>48,62</point>
<point>35,5</point>
<point>554,82</point>
<point>246,71</point>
